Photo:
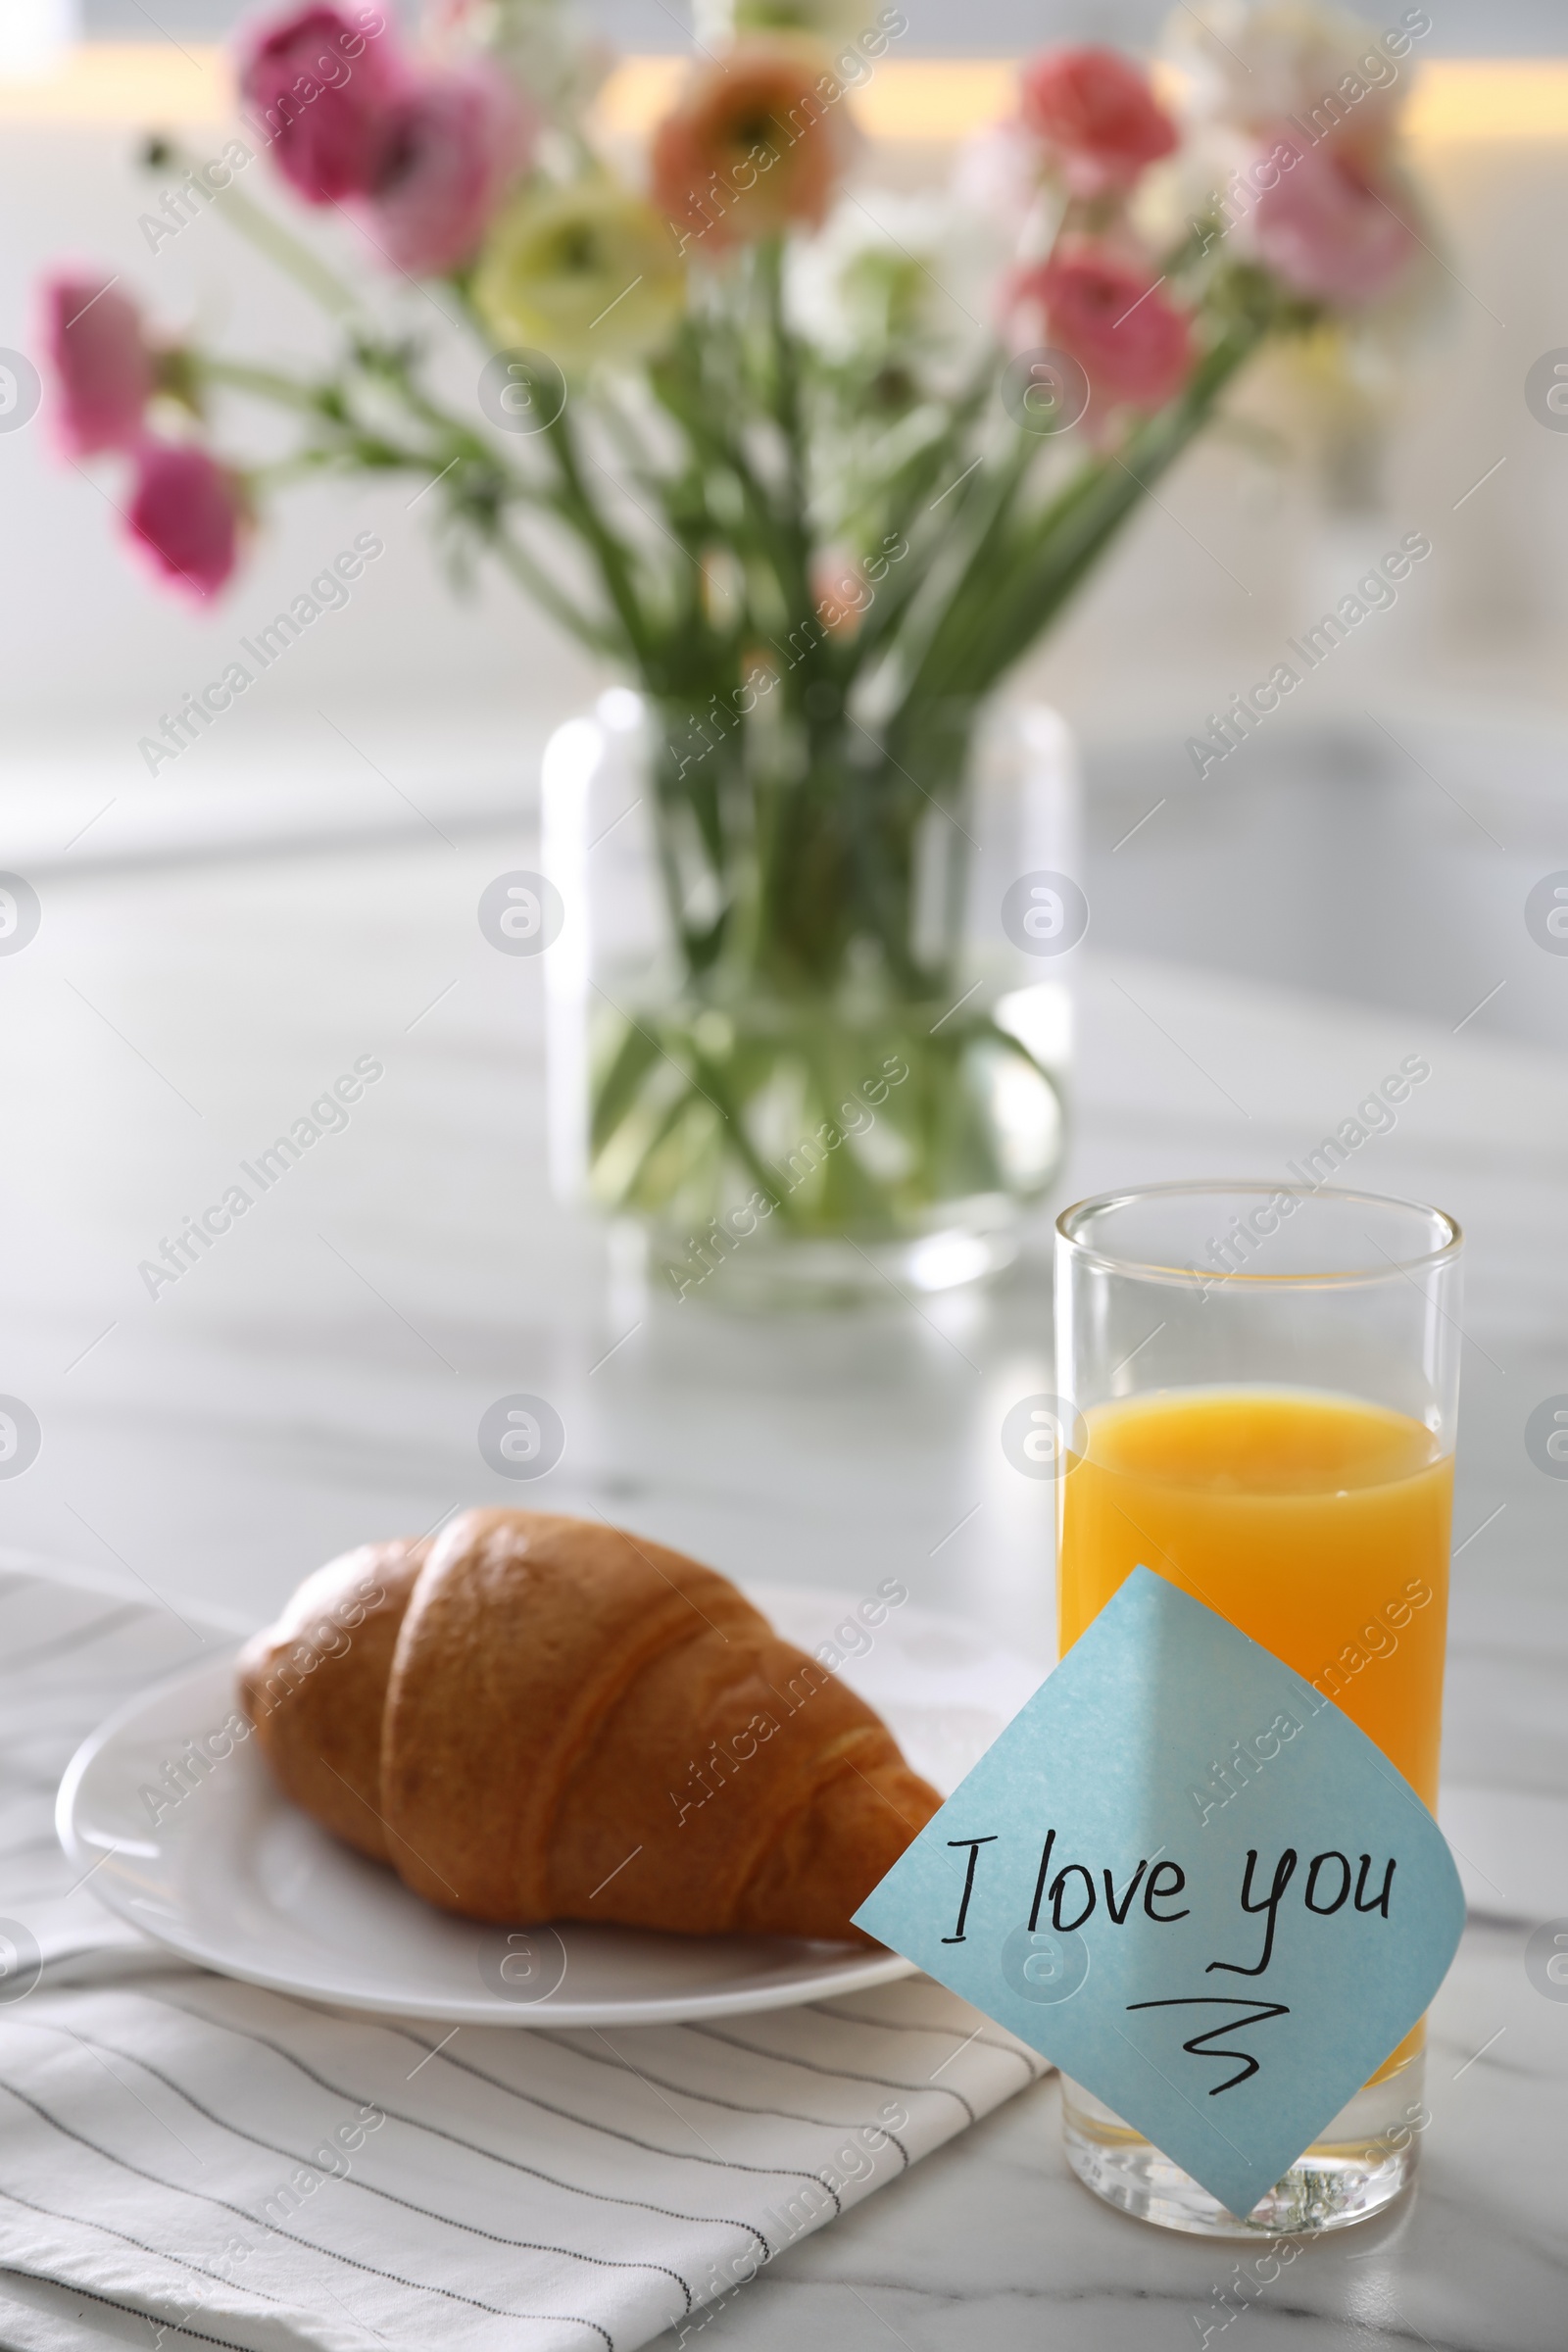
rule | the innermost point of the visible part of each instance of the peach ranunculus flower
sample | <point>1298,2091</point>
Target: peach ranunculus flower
<point>1096,116</point>
<point>583,272</point>
<point>840,592</point>
<point>1135,347</point>
<point>759,140</point>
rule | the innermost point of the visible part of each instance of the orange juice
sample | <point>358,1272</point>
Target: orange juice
<point>1317,1523</point>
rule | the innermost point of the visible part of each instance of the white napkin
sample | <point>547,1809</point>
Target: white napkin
<point>193,2158</point>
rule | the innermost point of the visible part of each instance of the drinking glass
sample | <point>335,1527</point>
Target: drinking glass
<point>1261,1384</point>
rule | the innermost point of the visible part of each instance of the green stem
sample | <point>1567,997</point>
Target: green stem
<point>710,1081</point>
<point>1152,449</point>
<point>268,236</point>
<point>595,635</point>
<point>681,389</point>
<point>613,555</point>
<point>786,404</point>
<point>986,594</point>
<point>576,505</point>
<point>979,638</point>
<point>996,499</point>
<point>263,383</point>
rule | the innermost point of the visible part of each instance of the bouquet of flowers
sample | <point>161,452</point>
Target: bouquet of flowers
<point>811,465</point>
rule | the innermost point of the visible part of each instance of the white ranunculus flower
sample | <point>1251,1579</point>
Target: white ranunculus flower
<point>1254,63</point>
<point>539,43</point>
<point>914,271</point>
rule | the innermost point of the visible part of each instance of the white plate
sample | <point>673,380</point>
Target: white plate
<point>237,1879</point>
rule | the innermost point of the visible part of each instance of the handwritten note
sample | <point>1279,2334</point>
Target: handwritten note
<point>1223,1951</point>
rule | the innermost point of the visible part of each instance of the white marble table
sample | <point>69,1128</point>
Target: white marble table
<point>319,1375</point>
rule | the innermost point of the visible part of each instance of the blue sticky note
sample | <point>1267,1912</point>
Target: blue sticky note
<point>1220,1942</point>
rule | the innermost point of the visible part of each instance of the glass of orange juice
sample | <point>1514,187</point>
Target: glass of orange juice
<point>1261,1383</point>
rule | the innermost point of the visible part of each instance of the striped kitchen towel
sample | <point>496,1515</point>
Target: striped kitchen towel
<point>195,2161</point>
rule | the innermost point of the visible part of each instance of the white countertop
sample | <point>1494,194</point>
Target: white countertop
<point>319,1377</point>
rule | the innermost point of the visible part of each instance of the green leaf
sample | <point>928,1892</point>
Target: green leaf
<point>613,1096</point>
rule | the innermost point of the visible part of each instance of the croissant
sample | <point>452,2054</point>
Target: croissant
<point>533,1717</point>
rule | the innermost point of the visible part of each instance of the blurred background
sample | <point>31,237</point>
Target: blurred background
<point>1237,552</point>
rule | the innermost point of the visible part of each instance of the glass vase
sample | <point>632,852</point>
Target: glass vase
<point>809,1011</point>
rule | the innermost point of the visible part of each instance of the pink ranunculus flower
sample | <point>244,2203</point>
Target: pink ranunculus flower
<point>326,87</point>
<point>1135,347</point>
<point>463,137</point>
<point>103,367</point>
<point>1098,116</point>
<point>1329,227</point>
<point>186,514</point>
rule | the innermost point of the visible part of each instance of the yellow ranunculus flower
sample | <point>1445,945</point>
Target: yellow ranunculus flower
<point>583,272</point>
